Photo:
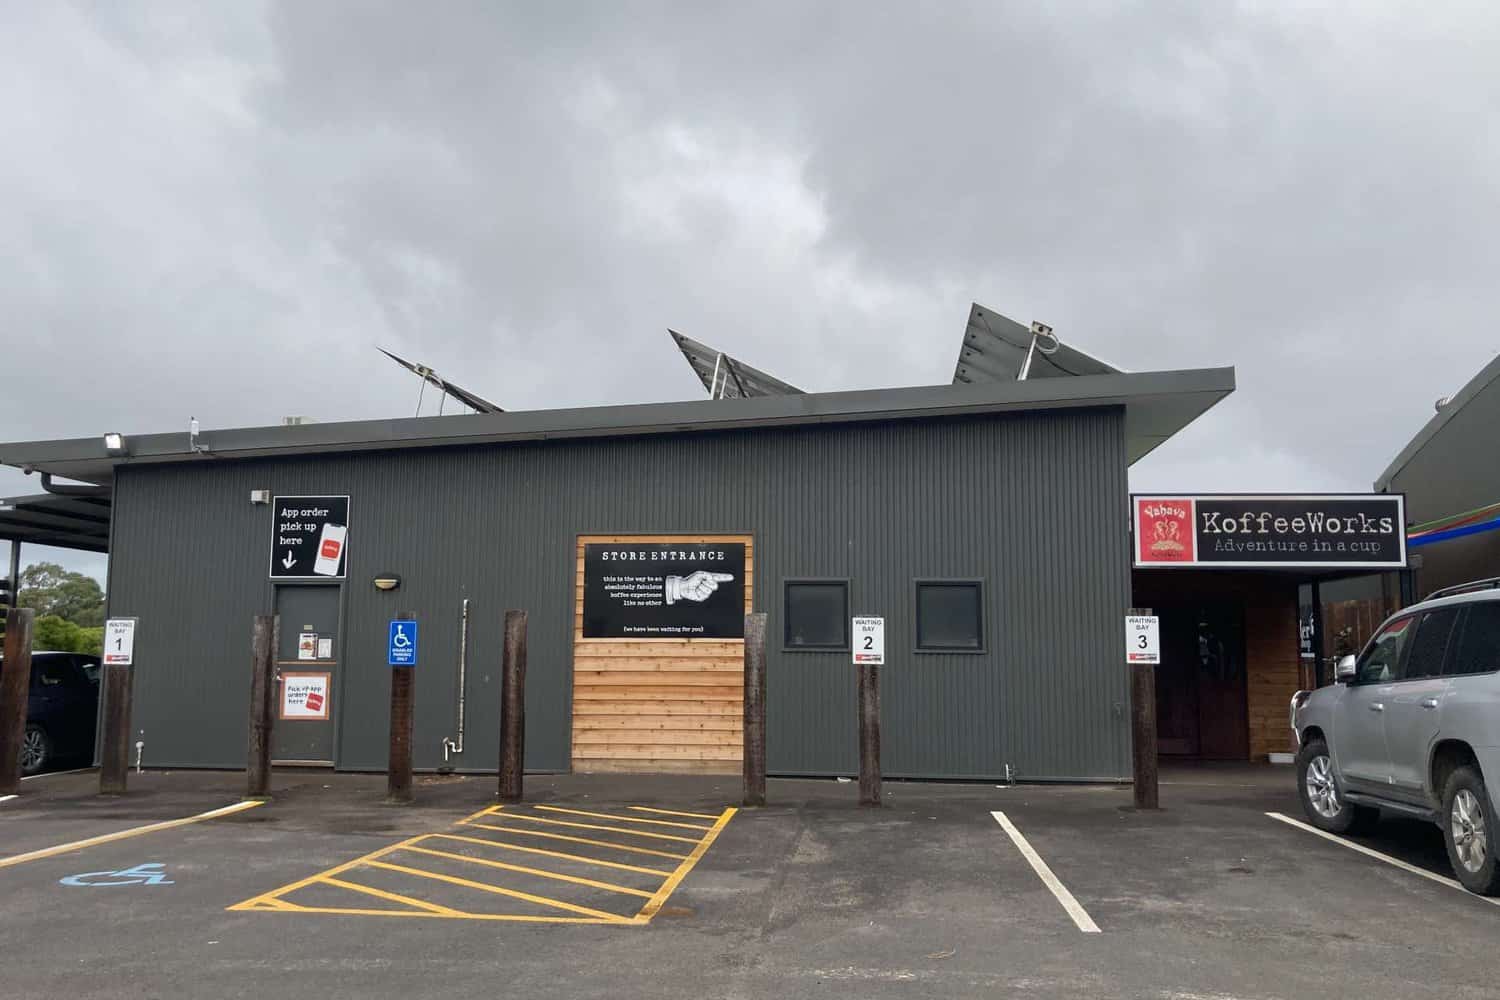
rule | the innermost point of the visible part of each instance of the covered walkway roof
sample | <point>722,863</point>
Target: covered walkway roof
<point>66,522</point>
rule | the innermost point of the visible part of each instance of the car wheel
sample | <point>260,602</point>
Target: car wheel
<point>1322,801</point>
<point>1469,832</point>
<point>36,749</point>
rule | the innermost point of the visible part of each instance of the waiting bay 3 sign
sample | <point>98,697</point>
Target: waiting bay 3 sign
<point>309,538</point>
<point>664,590</point>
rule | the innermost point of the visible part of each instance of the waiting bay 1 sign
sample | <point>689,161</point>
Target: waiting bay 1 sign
<point>1284,531</point>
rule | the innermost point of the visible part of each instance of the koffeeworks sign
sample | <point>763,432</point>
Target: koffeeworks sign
<point>1236,531</point>
<point>664,590</point>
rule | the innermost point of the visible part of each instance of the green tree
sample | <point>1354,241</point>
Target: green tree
<point>91,640</point>
<point>57,634</point>
<point>48,589</point>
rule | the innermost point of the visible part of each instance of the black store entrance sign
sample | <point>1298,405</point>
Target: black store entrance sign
<point>309,537</point>
<point>664,590</point>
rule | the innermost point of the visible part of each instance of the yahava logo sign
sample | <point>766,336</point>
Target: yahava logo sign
<point>1287,531</point>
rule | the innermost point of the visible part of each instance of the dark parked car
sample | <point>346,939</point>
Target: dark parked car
<point>61,710</point>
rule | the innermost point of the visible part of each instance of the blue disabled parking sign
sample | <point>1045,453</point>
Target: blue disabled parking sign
<point>401,651</point>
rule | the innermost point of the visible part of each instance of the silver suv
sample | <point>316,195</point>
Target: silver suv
<point>1413,727</point>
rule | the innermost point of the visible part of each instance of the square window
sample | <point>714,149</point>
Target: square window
<point>950,616</point>
<point>816,615</point>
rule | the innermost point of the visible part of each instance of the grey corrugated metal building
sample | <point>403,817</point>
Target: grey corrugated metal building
<point>1452,486</point>
<point>1000,508</point>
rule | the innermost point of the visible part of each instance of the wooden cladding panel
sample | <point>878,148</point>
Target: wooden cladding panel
<point>665,705</point>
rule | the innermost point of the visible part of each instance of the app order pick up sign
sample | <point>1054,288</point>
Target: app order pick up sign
<point>309,537</point>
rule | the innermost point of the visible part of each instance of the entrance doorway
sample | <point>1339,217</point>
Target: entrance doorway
<point>307,666</point>
<point>648,696</point>
<point>1200,685</point>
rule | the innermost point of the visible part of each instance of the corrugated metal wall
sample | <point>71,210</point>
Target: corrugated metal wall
<point>1034,504</point>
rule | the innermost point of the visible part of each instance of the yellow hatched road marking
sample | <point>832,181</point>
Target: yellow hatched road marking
<point>390,896</point>
<point>538,872</point>
<point>271,896</point>
<point>627,819</point>
<point>555,854</point>
<point>455,915</point>
<point>274,901</point>
<point>579,840</point>
<point>502,891</point>
<point>650,909</point>
<point>673,812</point>
<point>596,826</point>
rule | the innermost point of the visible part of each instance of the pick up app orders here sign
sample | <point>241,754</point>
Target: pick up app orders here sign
<point>1348,531</point>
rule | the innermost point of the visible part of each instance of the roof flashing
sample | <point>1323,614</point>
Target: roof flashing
<point>1157,404</point>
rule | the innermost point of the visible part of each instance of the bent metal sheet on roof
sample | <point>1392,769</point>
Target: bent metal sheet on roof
<point>994,349</point>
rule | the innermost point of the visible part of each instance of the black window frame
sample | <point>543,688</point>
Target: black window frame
<point>978,583</point>
<point>1412,620</point>
<point>1448,645</point>
<point>787,584</point>
<point>1455,643</point>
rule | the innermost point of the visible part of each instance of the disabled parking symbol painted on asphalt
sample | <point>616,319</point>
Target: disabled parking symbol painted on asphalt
<point>151,873</point>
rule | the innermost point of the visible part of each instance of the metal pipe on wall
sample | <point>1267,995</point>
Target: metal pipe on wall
<point>457,746</point>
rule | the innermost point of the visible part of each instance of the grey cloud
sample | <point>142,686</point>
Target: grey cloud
<point>221,211</point>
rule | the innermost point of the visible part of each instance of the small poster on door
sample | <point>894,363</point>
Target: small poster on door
<point>304,696</point>
<point>307,645</point>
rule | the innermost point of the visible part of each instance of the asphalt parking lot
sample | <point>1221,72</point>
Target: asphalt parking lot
<point>644,887</point>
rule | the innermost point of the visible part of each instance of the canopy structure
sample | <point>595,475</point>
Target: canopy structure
<point>68,522</point>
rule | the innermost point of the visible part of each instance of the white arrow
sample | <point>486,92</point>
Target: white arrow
<point>289,562</point>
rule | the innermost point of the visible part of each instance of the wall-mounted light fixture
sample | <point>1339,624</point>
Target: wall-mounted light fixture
<point>114,444</point>
<point>387,581</point>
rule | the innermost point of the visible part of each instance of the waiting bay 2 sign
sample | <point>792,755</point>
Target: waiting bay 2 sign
<point>1284,531</point>
<point>664,590</point>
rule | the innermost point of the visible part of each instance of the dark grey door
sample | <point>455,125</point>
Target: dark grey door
<point>307,669</point>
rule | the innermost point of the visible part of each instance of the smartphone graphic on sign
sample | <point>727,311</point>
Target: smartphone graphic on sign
<point>330,549</point>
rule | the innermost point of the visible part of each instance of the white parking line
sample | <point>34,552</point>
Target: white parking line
<point>1078,913</point>
<point>56,774</point>
<point>6,798</point>
<point>1397,862</point>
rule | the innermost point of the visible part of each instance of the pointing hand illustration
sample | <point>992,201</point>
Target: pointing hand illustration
<point>695,586</point>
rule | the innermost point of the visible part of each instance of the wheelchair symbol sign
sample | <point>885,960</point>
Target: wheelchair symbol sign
<point>401,650</point>
<point>152,873</point>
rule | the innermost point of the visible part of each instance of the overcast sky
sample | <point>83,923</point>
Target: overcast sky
<point>221,209</point>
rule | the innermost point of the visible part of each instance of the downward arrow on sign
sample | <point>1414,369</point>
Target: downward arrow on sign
<point>289,561</point>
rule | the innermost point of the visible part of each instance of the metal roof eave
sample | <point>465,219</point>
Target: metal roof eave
<point>1158,405</point>
<point>1476,385</point>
